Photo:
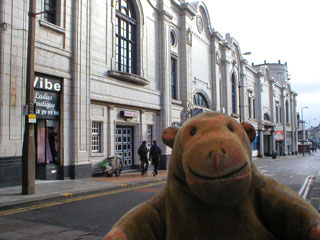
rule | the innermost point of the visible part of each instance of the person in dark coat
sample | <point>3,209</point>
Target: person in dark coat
<point>155,153</point>
<point>143,153</point>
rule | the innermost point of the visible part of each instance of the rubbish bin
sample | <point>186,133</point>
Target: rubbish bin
<point>274,155</point>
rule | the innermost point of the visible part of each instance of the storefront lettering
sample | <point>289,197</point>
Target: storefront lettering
<point>279,135</point>
<point>47,104</point>
<point>47,96</point>
<point>44,96</point>
<point>47,84</point>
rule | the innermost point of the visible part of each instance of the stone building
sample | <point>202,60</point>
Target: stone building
<point>111,73</point>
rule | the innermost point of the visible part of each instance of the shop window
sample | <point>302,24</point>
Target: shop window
<point>126,26</point>
<point>200,100</point>
<point>47,142</point>
<point>50,11</point>
<point>173,78</point>
<point>96,137</point>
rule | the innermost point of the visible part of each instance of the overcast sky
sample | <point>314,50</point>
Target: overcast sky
<point>286,30</point>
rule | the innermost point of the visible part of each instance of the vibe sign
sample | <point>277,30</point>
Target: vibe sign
<point>47,84</point>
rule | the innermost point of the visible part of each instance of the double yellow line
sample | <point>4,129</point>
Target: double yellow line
<point>55,203</point>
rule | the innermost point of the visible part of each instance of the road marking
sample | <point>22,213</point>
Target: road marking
<point>304,190</point>
<point>55,203</point>
<point>148,190</point>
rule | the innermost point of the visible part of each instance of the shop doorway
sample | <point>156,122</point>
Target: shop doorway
<point>48,142</point>
<point>124,145</point>
<point>266,147</point>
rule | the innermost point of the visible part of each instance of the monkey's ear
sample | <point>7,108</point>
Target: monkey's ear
<point>251,132</point>
<point>168,136</point>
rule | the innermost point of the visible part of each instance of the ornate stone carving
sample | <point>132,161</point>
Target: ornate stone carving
<point>199,23</point>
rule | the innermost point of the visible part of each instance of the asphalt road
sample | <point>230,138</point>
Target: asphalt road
<point>291,171</point>
<point>97,215</point>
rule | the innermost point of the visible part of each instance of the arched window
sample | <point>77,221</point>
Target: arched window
<point>287,112</point>
<point>125,37</point>
<point>200,100</point>
<point>234,93</point>
<point>266,117</point>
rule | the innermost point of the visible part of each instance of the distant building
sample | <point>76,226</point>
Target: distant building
<point>109,74</point>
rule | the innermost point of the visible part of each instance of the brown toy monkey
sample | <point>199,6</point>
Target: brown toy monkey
<point>214,191</point>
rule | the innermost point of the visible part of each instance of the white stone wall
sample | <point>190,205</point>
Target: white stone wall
<point>80,50</point>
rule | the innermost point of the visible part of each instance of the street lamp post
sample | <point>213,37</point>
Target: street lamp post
<point>28,150</point>
<point>303,135</point>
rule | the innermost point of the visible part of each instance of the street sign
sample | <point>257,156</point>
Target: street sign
<point>32,118</point>
<point>184,116</point>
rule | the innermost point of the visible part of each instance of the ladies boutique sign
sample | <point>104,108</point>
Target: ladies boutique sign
<point>47,97</point>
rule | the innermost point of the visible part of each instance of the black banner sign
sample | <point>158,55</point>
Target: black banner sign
<point>47,104</point>
<point>47,96</point>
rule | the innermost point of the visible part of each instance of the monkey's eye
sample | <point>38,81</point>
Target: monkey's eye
<point>230,128</point>
<point>193,131</point>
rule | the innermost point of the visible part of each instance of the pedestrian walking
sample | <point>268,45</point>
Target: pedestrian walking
<point>143,153</point>
<point>155,153</point>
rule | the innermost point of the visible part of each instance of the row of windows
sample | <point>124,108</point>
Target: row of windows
<point>126,28</point>
<point>125,32</point>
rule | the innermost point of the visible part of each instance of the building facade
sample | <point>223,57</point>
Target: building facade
<point>111,73</point>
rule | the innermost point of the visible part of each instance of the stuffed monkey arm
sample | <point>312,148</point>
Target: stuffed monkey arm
<point>285,213</point>
<point>142,222</point>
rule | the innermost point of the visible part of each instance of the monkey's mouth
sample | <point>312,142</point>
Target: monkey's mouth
<point>219,177</point>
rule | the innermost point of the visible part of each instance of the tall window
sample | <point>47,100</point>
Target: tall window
<point>287,113</point>
<point>149,136</point>
<point>173,78</point>
<point>266,117</point>
<point>50,11</point>
<point>96,137</point>
<point>254,108</point>
<point>200,100</point>
<point>220,88</point>
<point>250,107</point>
<point>234,93</point>
<point>277,112</point>
<point>125,37</point>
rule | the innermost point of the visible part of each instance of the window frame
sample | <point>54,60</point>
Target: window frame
<point>126,38</point>
<point>174,78</point>
<point>287,112</point>
<point>250,107</point>
<point>96,134</point>
<point>234,93</point>
<point>254,108</point>
<point>200,100</point>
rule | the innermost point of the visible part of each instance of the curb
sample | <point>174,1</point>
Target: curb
<point>56,196</point>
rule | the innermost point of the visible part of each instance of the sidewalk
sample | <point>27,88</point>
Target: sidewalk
<point>44,190</point>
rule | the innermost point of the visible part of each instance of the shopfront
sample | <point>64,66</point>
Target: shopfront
<point>279,138</point>
<point>47,91</point>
